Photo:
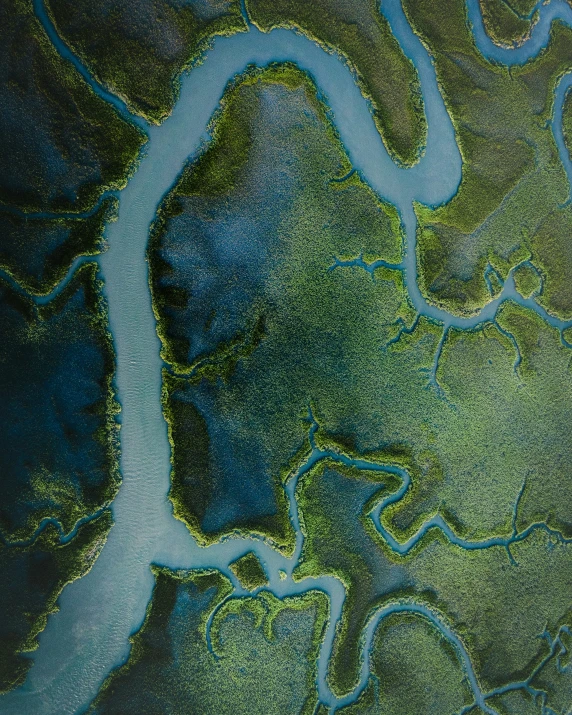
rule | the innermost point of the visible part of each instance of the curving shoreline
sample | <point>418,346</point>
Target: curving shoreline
<point>89,636</point>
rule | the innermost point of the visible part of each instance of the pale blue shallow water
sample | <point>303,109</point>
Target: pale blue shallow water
<point>89,636</point>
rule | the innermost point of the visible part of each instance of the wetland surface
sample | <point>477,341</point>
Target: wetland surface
<point>89,636</point>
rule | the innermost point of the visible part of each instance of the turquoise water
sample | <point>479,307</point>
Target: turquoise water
<point>89,636</point>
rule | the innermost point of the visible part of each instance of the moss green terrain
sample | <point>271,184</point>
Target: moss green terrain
<point>567,121</point>
<point>502,384</point>
<point>32,578</point>
<point>498,608</point>
<point>258,657</point>
<point>279,335</point>
<point>249,571</point>
<point>282,336</point>
<point>511,203</point>
<point>527,280</point>
<point>508,23</point>
<point>138,50</point>
<point>362,35</point>
<point>340,541</point>
<point>553,679</point>
<point>498,601</point>
<point>518,702</point>
<point>287,335</point>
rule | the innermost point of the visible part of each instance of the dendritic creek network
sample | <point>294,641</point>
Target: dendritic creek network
<point>286,303</point>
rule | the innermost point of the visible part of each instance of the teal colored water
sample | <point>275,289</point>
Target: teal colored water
<point>89,636</point>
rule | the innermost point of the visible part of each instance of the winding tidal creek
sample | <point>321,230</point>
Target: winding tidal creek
<point>89,636</point>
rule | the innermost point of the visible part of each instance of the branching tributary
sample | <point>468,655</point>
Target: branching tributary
<point>89,636</point>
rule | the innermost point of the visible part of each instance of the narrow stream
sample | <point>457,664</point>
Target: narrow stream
<point>88,637</point>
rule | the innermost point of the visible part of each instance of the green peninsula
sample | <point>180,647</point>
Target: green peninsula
<point>32,577</point>
<point>508,22</point>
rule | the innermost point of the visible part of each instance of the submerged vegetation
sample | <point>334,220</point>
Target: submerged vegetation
<point>360,32</point>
